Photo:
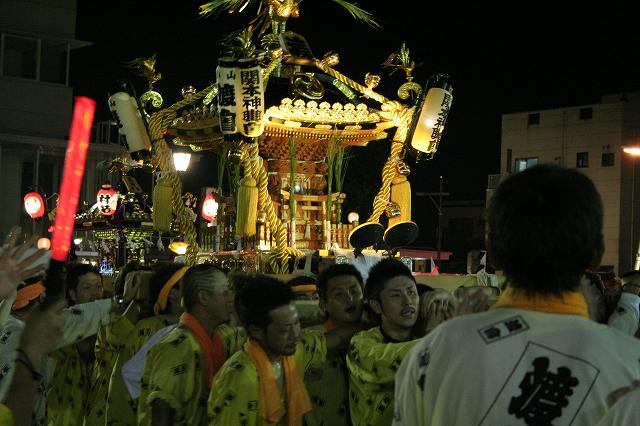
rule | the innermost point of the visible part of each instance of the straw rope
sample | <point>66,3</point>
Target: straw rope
<point>401,116</point>
<point>278,261</point>
<point>158,123</point>
<point>351,83</point>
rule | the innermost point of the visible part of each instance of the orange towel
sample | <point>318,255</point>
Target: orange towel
<point>212,346</point>
<point>297,398</point>
<point>26,294</point>
<point>570,302</point>
<point>329,325</point>
<point>161,303</point>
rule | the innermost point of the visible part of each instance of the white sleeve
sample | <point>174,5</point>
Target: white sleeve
<point>5,307</point>
<point>84,320</point>
<point>626,316</point>
<point>9,342</point>
<point>409,387</point>
<point>133,369</point>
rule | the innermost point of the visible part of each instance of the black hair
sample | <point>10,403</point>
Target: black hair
<point>161,272</point>
<point>301,280</point>
<point>595,280</point>
<point>383,271</point>
<point>118,283</point>
<point>336,270</point>
<point>75,270</point>
<point>197,278</point>
<point>545,228</point>
<point>260,295</point>
<point>423,288</point>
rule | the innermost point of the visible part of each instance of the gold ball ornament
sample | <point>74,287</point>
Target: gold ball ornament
<point>188,91</point>
<point>371,80</point>
<point>331,59</point>
<point>393,210</point>
<point>235,155</point>
<point>403,168</point>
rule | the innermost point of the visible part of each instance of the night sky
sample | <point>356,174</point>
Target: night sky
<point>501,60</point>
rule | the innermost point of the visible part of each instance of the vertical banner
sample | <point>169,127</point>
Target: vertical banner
<point>250,98</point>
<point>226,75</point>
<point>74,163</point>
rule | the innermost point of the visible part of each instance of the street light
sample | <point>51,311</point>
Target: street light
<point>181,161</point>
<point>634,152</point>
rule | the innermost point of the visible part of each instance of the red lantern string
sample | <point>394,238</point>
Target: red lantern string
<point>74,162</point>
<point>34,205</point>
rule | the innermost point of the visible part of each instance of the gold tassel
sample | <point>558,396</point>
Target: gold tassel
<point>162,205</point>
<point>401,194</point>
<point>247,211</point>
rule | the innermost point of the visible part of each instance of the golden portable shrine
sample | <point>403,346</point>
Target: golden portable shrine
<point>284,122</point>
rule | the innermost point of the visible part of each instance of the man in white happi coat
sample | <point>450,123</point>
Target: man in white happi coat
<point>535,358</point>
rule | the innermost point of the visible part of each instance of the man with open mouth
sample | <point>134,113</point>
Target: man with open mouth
<point>375,355</point>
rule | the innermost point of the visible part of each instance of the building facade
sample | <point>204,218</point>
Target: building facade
<point>589,138</point>
<point>36,101</point>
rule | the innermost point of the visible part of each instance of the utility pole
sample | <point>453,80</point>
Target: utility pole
<point>438,206</point>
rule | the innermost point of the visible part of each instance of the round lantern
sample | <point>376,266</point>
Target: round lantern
<point>178,247</point>
<point>353,218</point>
<point>107,200</point>
<point>209,208</point>
<point>34,205</point>
<point>44,243</point>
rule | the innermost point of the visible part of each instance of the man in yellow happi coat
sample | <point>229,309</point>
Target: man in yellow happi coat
<point>375,355</point>
<point>121,407</point>
<point>180,368</point>
<point>340,288</point>
<point>263,384</point>
<point>68,395</point>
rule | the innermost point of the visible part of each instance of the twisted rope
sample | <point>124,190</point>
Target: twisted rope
<point>351,83</point>
<point>402,118</point>
<point>255,167</point>
<point>158,123</point>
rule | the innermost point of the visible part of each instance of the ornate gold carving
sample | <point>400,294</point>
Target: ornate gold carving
<point>324,113</point>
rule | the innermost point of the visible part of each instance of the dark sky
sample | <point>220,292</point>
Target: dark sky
<point>501,60</point>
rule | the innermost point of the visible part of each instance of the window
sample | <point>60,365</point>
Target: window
<point>586,113</point>
<point>525,163</point>
<point>608,159</point>
<point>27,177</point>
<point>53,66</point>
<point>534,118</point>
<point>582,160</point>
<point>20,57</point>
<point>34,58</point>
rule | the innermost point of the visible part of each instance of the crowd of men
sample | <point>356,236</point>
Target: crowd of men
<point>197,345</point>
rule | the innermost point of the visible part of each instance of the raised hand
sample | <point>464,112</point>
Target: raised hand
<point>13,269</point>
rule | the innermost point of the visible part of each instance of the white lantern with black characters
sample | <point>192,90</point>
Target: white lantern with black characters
<point>226,75</point>
<point>427,128</point>
<point>250,98</point>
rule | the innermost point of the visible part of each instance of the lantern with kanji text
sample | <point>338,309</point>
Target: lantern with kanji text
<point>107,200</point>
<point>34,205</point>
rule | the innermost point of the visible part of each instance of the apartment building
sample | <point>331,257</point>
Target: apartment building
<point>591,139</point>
<point>36,42</point>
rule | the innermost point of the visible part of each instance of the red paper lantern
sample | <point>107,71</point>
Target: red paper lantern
<point>44,243</point>
<point>209,208</point>
<point>107,198</point>
<point>34,205</point>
